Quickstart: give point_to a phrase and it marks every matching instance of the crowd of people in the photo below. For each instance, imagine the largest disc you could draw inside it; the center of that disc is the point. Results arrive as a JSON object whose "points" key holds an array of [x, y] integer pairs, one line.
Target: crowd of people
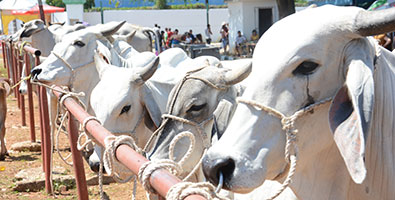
{"points": [[169, 38]]}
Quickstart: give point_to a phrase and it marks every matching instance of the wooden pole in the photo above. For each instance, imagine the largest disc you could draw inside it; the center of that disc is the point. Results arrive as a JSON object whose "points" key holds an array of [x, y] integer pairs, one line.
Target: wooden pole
{"points": [[40, 7]]}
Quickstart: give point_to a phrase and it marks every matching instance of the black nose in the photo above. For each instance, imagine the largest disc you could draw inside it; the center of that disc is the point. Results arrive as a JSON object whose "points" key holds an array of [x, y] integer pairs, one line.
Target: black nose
{"points": [[35, 72], [212, 168]]}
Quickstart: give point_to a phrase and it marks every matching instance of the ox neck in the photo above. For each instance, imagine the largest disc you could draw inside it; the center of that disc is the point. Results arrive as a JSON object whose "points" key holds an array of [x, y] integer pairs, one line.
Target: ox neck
{"points": [[84, 81], [38, 42]]}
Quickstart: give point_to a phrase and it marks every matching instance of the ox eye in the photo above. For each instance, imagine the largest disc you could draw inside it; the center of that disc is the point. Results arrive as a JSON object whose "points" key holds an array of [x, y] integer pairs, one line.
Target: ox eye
{"points": [[196, 107], [125, 109], [306, 68], [79, 43]]}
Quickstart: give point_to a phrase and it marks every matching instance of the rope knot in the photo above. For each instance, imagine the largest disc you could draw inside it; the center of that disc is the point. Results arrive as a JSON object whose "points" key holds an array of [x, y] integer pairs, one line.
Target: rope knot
{"points": [[181, 190], [150, 167], [112, 165]]}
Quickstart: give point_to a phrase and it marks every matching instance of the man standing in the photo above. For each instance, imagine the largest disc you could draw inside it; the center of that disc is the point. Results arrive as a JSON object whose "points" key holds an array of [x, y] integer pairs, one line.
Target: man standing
{"points": [[208, 34]]}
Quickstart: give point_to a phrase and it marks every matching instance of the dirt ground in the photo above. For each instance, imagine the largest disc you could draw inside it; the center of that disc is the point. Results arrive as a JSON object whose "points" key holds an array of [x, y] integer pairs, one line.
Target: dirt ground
{"points": [[22, 160]]}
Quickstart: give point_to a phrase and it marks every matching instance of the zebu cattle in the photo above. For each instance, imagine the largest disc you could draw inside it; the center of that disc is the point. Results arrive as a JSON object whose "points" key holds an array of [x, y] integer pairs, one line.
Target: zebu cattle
{"points": [[59, 30], [71, 63], [145, 101], [38, 32], [139, 37], [328, 58], [4, 92], [195, 98], [198, 102]]}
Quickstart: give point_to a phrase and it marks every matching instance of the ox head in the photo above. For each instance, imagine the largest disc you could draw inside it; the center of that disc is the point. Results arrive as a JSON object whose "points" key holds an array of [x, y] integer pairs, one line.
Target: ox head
{"points": [[32, 27], [76, 50], [121, 97], [327, 56], [195, 99]]}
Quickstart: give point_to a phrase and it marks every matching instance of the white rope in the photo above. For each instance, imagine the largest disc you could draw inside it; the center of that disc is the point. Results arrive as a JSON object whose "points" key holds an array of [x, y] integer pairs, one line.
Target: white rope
{"points": [[85, 134], [291, 155], [149, 167], [181, 190], [190, 149], [112, 165], [64, 159]]}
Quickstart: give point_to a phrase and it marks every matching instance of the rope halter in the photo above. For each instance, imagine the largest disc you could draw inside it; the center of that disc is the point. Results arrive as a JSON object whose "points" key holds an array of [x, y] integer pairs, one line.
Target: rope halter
{"points": [[288, 125], [68, 65], [167, 117]]}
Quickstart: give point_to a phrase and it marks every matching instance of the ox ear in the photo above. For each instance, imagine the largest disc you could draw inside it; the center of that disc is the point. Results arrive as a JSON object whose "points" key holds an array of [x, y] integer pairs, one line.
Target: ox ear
{"points": [[350, 117], [100, 63], [149, 66], [154, 113], [111, 29], [238, 72]]}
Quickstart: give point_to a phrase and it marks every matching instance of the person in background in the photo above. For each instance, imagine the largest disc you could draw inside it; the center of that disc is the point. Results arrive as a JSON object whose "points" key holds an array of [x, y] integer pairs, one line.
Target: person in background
{"points": [[199, 38], [175, 38], [208, 34], [254, 36], [157, 33], [188, 38], [168, 41], [383, 40], [240, 43], [192, 36], [161, 37], [165, 38], [224, 36]]}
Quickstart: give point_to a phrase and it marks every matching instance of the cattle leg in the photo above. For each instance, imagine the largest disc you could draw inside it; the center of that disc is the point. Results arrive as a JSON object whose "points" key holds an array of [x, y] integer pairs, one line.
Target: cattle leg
{"points": [[2, 140]]}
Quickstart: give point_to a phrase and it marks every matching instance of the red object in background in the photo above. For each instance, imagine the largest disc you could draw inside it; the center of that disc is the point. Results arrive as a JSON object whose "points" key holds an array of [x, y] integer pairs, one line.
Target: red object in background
{"points": [[35, 10]]}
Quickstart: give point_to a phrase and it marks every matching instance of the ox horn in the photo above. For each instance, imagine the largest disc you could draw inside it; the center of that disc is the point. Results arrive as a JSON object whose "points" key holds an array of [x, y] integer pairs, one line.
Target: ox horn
{"points": [[238, 74], [146, 72], [368, 23], [112, 29], [130, 36]]}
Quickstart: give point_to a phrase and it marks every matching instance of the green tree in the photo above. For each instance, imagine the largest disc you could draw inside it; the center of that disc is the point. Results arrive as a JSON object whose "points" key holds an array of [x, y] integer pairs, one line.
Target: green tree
{"points": [[285, 7], [59, 3], [160, 4]]}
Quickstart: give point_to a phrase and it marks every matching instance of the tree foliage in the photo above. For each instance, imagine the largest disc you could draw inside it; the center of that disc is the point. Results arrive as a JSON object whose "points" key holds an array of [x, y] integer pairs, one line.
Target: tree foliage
{"points": [[59, 3]]}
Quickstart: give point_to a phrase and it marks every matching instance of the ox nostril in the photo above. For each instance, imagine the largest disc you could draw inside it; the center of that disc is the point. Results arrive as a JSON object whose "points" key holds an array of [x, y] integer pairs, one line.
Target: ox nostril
{"points": [[212, 168], [35, 72]]}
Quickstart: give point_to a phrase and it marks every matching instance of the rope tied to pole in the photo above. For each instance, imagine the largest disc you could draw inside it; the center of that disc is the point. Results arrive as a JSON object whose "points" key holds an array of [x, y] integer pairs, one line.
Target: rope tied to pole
{"points": [[112, 165], [288, 125], [181, 190]]}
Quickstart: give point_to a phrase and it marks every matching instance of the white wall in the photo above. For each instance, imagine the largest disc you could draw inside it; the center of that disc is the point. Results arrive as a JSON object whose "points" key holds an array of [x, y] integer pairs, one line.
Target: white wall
{"points": [[75, 11], [244, 17], [183, 20]]}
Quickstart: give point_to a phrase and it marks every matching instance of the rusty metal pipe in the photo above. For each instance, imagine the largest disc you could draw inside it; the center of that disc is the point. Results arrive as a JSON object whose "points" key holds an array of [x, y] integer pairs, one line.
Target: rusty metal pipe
{"points": [[161, 179], [30, 99], [78, 165], [46, 141]]}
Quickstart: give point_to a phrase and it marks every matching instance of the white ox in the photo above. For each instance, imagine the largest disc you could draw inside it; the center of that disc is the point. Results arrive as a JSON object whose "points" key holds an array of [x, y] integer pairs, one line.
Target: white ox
{"points": [[146, 100], [138, 37], [346, 147], [71, 63], [37, 32], [198, 102]]}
